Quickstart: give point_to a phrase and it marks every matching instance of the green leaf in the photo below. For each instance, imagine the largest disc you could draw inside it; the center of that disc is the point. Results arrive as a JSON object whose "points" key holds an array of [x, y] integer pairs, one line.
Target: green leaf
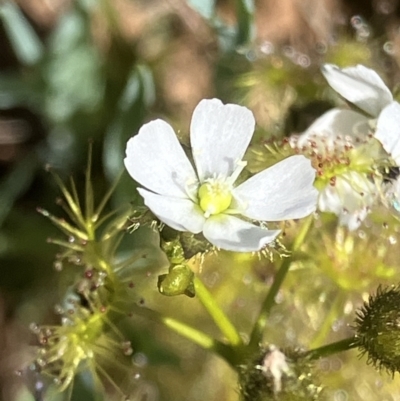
{"points": [[245, 17], [16, 183], [74, 69], [138, 96], [16, 91], [26, 44], [203, 7]]}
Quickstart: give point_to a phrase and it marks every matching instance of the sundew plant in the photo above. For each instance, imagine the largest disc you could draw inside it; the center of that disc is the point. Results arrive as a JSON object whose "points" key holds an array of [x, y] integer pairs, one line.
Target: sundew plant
{"points": [[194, 207]]}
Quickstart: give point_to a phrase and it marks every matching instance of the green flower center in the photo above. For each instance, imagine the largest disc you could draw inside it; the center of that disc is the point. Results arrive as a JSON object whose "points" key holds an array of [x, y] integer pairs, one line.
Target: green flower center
{"points": [[214, 197]]}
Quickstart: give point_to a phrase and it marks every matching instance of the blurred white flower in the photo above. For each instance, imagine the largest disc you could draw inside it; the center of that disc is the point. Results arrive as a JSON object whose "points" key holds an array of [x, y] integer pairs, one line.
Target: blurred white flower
{"points": [[205, 199], [364, 88], [342, 150]]}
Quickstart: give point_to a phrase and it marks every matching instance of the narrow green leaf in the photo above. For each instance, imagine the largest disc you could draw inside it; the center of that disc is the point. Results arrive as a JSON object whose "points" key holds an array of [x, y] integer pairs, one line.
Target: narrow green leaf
{"points": [[131, 111], [26, 44], [16, 183], [73, 71], [245, 20]]}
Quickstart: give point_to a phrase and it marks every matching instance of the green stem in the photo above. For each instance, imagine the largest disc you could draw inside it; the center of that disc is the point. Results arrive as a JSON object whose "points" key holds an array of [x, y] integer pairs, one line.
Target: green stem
{"points": [[217, 314], [333, 348], [269, 301], [328, 320], [196, 336]]}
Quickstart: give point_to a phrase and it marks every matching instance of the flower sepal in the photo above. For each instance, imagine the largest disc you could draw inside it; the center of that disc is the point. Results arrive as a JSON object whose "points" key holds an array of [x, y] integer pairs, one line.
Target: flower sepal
{"points": [[194, 244]]}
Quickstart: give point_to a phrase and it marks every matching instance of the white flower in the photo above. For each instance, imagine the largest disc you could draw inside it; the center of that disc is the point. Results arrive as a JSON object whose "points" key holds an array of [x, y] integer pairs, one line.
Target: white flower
{"points": [[350, 198], [205, 199], [388, 130], [364, 88], [341, 149]]}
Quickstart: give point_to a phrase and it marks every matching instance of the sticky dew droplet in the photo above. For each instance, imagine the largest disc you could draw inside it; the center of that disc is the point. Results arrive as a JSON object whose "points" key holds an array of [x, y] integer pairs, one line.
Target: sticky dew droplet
{"points": [[58, 309], [267, 48], [127, 348], [41, 362], [58, 266], [356, 21], [140, 359], [303, 60]]}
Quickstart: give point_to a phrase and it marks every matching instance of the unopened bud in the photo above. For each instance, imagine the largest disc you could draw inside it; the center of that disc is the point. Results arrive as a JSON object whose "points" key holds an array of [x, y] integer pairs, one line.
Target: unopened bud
{"points": [[178, 281], [378, 329]]}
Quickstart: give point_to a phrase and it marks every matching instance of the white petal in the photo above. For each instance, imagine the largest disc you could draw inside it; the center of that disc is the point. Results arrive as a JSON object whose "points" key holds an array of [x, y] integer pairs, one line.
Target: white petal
{"points": [[359, 85], [155, 159], [329, 200], [350, 212], [233, 234], [388, 130], [334, 123], [393, 194], [350, 198], [180, 214], [353, 220], [282, 192], [220, 135]]}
